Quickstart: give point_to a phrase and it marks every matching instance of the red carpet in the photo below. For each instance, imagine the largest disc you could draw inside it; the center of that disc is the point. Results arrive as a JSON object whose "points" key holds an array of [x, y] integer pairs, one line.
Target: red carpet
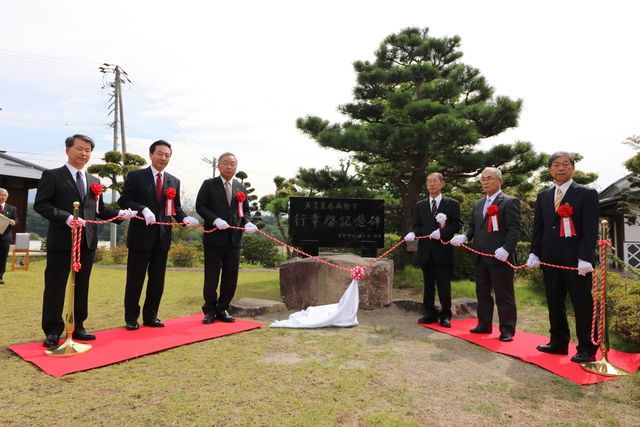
{"points": [[116, 345], [524, 346]]}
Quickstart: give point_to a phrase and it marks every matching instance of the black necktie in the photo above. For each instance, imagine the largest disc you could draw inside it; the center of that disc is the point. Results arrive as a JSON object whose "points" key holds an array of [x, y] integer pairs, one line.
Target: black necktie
{"points": [[80, 183], [434, 208]]}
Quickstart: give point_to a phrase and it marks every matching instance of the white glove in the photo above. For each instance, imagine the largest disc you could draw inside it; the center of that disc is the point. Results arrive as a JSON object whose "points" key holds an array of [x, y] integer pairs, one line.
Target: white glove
{"points": [[459, 240], [410, 237], [190, 221], [501, 254], [584, 267], [149, 217], [435, 235], [533, 261], [221, 224], [127, 213], [68, 221], [250, 228]]}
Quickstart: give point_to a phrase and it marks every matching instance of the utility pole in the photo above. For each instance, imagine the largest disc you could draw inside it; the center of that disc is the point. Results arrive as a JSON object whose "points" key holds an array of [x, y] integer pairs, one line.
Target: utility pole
{"points": [[213, 162], [118, 115]]}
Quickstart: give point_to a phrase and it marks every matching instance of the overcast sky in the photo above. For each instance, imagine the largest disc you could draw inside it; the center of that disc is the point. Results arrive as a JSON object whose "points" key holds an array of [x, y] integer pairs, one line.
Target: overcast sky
{"points": [[212, 76]]}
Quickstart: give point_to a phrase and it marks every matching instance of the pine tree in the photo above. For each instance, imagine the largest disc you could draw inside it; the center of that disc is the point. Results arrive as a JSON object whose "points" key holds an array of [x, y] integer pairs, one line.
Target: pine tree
{"points": [[419, 109]]}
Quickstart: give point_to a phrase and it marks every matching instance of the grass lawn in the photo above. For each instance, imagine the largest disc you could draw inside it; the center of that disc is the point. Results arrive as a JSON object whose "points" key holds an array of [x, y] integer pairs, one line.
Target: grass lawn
{"points": [[384, 372]]}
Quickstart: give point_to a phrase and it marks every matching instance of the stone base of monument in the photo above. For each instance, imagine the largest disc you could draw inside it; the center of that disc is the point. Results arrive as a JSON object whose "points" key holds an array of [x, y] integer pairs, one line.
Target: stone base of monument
{"points": [[461, 308], [307, 282], [252, 307]]}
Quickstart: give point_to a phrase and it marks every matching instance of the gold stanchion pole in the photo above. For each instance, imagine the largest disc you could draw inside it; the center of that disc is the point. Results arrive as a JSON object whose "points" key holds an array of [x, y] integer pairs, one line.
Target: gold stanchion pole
{"points": [[70, 347], [603, 366]]}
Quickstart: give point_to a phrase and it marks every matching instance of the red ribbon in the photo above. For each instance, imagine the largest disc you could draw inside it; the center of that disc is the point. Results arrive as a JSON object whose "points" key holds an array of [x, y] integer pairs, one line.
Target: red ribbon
{"points": [[492, 224], [566, 222], [241, 197], [170, 208], [97, 190]]}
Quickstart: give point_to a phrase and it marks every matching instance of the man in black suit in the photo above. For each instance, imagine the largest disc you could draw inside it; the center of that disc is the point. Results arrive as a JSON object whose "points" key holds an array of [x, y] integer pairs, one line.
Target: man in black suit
{"points": [[58, 189], [556, 242], [222, 202], [7, 237], [495, 225], [156, 194], [439, 218]]}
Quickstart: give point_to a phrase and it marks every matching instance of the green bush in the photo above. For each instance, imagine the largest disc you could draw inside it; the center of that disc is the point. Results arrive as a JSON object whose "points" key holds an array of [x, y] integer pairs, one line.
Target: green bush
{"points": [[119, 254], [531, 275], [183, 255], [100, 255], [390, 240], [261, 250], [463, 267], [623, 307]]}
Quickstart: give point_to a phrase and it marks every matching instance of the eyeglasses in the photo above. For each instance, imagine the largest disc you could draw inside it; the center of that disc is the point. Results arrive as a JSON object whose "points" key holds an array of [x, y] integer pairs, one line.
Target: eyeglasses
{"points": [[227, 164], [487, 179]]}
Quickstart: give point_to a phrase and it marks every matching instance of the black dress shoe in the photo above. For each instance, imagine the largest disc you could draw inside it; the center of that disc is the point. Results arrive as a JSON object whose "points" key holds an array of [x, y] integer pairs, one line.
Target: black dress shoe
{"points": [[83, 335], [1, 282], [552, 349], [583, 356], [155, 323], [445, 323], [480, 331], [506, 337], [132, 326], [224, 316], [51, 340], [208, 319], [427, 320]]}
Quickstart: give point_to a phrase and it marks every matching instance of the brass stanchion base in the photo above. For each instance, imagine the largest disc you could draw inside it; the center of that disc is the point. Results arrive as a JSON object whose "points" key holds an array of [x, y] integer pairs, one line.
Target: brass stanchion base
{"points": [[604, 367], [68, 348]]}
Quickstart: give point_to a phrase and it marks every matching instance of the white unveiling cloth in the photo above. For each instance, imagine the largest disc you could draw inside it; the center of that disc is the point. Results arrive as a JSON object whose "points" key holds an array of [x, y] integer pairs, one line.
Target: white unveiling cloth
{"points": [[343, 314]]}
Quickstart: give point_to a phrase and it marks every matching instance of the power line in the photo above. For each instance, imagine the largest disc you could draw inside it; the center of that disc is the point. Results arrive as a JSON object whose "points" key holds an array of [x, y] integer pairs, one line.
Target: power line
{"points": [[44, 60]]}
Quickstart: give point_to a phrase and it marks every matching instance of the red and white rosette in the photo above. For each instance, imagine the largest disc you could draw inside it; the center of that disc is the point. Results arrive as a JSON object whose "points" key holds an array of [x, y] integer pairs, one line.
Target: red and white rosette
{"points": [[357, 273], [492, 225], [96, 189], [170, 208], [441, 219], [566, 222], [241, 197]]}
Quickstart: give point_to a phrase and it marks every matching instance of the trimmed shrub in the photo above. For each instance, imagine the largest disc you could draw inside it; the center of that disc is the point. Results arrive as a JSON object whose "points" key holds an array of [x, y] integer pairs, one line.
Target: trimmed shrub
{"points": [[101, 254], [183, 255], [260, 250], [623, 306], [531, 275], [390, 240], [463, 264], [119, 254]]}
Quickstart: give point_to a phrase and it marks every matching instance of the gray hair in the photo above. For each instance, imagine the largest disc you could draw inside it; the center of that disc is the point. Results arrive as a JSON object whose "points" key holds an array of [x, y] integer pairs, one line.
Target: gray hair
{"points": [[223, 155], [497, 171], [437, 175]]}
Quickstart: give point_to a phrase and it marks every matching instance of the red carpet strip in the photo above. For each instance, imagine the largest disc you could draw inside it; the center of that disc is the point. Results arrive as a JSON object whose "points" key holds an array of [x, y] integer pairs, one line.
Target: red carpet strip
{"points": [[117, 345], [524, 346]]}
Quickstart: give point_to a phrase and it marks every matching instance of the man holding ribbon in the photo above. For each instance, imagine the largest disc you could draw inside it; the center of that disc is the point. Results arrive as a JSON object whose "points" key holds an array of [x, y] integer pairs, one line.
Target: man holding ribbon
{"points": [[565, 233], [156, 194], [438, 218], [495, 225], [58, 189], [222, 202]]}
